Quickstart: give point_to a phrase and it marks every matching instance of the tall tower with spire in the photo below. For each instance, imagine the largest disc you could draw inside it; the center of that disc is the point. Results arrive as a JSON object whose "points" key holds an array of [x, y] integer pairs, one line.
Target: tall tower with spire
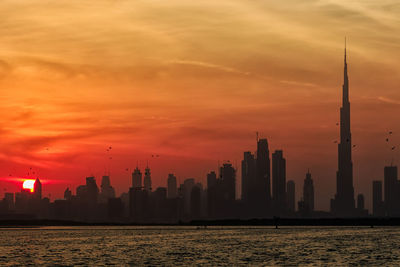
{"points": [[343, 203]]}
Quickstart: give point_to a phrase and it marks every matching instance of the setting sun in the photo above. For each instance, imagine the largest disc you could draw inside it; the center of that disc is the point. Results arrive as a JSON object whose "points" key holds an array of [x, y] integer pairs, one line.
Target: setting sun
{"points": [[29, 184]]}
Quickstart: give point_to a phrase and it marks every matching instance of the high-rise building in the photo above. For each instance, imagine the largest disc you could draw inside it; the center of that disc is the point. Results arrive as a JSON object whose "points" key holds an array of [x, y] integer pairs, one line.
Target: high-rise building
{"points": [[279, 182], [37, 191], [360, 202], [249, 184], [188, 185], [147, 179], [107, 191], [228, 182], [263, 171], [212, 195], [172, 186], [343, 203], [195, 202], [291, 196], [137, 178], [391, 190], [211, 179], [308, 194], [377, 199], [92, 190]]}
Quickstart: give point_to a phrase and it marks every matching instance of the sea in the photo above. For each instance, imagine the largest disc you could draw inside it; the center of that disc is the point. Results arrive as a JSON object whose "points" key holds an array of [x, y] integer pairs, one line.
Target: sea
{"points": [[193, 246]]}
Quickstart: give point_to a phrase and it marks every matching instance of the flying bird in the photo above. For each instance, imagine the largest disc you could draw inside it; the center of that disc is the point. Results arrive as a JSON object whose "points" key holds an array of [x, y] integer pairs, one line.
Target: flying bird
{"points": [[387, 139], [393, 147], [390, 132]]}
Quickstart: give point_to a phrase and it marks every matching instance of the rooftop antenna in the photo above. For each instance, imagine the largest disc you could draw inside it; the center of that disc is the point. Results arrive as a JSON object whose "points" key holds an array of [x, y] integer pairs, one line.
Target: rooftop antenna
{"points": [[257, 137]]}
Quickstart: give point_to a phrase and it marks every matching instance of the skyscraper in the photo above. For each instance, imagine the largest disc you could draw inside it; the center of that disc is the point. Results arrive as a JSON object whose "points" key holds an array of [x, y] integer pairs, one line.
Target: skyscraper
{"points": [[147, 179], [291, 196], [188, 185], [360, 202], [172, 191], [107, 191], [263, 171], [308, 194], [37, 192], [248, 176], [212, 195], [92, 190], [279, 181], [137, 178], [228, 181], [377, 199], [343, 203], [391, 190]]}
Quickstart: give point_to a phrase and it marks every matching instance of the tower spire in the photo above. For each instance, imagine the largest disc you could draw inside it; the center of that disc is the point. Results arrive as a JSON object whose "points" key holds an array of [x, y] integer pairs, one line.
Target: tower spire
{"points": [[345, 93], [345, 48], [343, 204]]}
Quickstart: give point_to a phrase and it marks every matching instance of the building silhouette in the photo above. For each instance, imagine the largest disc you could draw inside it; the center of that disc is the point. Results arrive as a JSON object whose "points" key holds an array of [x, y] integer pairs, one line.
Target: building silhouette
{"points": [[37, 189], [106, 190], [147, 179], [256, 182], [291, 197], [186, 190], [137, 178], [306, 205], [391, 189], [213, 198], [378, 208], [221, 193], [196, 202], [263, 174], [279, 182], [172, 191], [249, 182], [343, 203], [228, 182]]}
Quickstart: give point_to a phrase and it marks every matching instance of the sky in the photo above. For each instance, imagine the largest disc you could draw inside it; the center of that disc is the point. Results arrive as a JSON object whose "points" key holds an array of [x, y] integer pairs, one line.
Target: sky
{"points": [[192, 82]]}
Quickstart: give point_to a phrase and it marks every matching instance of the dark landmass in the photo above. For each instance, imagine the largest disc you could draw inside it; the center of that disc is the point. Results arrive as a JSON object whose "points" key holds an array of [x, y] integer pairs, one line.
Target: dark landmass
{"points": [[233, 222]]}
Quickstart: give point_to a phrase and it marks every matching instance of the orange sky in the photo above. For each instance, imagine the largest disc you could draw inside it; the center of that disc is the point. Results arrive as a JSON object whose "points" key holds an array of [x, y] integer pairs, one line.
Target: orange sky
{"points": [[193, 82]]}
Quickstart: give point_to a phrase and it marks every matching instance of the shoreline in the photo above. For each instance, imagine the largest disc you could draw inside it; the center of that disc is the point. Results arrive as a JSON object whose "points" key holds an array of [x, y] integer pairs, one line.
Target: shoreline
{"points": [[371, 222]]}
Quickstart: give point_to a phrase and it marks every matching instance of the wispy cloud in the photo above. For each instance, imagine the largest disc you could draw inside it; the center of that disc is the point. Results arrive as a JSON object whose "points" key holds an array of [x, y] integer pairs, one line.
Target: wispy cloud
{"points": [[388, 100], [297, 83], [208, 65]]}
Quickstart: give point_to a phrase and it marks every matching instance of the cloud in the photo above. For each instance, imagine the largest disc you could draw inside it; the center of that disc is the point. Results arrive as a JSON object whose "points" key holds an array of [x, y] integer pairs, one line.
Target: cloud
{"points": [[388, 100], [298, 83], [208, 65]]}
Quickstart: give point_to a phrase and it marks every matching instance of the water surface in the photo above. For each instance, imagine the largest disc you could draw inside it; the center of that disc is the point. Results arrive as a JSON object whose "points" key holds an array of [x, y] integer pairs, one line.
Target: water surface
{"points": [[71, 246]]}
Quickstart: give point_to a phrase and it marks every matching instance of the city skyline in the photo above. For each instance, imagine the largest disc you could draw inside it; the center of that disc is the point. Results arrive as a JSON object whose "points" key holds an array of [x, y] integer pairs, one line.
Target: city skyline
{"points": [[264, 198], [265, 191], [201, 100]]}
